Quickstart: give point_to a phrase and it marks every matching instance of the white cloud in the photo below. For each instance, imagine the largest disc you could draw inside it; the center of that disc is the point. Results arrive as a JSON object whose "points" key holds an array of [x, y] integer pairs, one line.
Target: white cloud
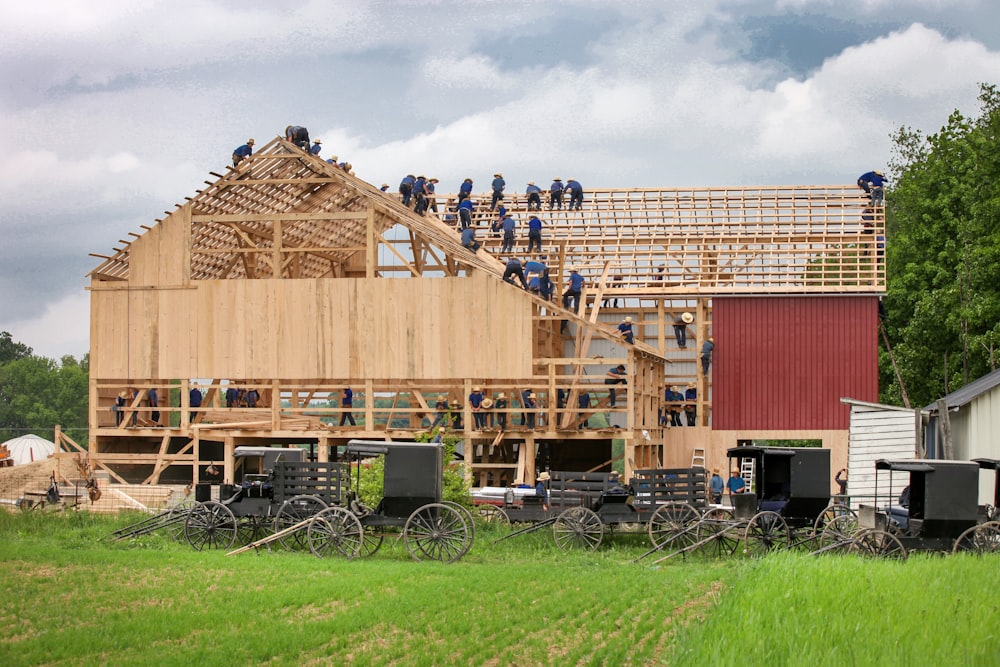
{"points": [[64, 328]]}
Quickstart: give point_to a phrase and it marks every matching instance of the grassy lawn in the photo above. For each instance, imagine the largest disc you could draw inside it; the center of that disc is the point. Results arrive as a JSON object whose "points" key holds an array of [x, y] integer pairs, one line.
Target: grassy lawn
{"points": [[71, 597]]}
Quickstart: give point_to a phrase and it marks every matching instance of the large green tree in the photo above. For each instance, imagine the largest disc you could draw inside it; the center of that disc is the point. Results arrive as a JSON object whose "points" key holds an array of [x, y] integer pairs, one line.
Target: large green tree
{"points": [[943, 255], [36, 393]]}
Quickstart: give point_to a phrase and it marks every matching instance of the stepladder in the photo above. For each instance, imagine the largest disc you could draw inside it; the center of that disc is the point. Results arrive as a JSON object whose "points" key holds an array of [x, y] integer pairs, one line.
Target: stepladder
{"points": [[698, 458]]}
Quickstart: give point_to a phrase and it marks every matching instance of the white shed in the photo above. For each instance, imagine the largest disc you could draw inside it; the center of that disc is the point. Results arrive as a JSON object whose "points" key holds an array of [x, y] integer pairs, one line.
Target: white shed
{"points": [[29, 448], [878, 432]]}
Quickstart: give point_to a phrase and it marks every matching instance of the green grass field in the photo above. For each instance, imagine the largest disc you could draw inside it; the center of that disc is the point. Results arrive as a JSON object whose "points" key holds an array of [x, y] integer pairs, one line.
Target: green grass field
{"points": [[72, 597]]}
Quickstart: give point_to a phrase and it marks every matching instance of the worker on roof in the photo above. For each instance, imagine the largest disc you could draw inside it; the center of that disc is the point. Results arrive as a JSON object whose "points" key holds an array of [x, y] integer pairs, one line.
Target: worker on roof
{"points": [[298, 135], [514, 268], [465, 208], [534, 233], [625, 331], [498, 185], [575, 194], [872, 182], [420, 194], [406, 188], [507, 224], [243, 152], [556, 194], [465, 189], [534, 196], [429, 188], [316, 147]]}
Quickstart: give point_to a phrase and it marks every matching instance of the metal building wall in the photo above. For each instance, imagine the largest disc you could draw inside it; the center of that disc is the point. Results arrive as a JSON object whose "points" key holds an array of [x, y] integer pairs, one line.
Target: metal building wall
{"points": [[785, 362]]}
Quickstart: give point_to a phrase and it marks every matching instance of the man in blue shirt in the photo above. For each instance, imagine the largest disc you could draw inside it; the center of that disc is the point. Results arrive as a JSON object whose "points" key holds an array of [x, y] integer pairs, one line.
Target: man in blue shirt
{"points": [[691, 408], [571, 297], [556, 194], [625, 331], [507, 224], [534, 233], [575, 194], [465, 189], [615, 375], [534, 196], [465, 209], [316, 147], [583, 403], [498, 185], [872, 182], [429, 190], [469, 239], [420, 194], [406, 188], [715, 487], [735, 484], [706, 354], [514, 268], [476, 403], [243, 152], [298, 136], [347, 401], [194, 400]]}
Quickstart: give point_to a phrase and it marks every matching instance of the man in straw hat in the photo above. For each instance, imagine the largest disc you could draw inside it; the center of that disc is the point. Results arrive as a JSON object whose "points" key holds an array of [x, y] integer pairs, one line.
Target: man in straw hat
{"points": [[243, 152], [625, 330], [476, 403], [500, 404], [534, 196], [556, 194], [498, 185], [487, 407], [540, 489], [680, 329], [706, 354], [316, 147]]}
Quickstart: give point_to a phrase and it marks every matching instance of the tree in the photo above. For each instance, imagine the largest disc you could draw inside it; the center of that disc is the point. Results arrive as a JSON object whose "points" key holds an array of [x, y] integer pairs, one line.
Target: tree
{"points": [[11, 350], [943, 255]]}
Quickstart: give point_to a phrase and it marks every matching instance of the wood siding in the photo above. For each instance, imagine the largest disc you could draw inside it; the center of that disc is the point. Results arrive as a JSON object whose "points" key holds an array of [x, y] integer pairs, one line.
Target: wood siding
{"points": [[879, 432], [313, 328], [785, 362]]}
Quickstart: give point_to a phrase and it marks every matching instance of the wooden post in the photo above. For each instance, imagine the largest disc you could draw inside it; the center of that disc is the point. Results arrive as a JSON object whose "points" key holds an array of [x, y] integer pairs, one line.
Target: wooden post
{"points": [[944, 428]]}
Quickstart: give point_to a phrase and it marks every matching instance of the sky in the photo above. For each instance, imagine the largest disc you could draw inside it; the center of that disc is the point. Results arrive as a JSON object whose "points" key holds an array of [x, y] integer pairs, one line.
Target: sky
{"points": [[115, 110]]}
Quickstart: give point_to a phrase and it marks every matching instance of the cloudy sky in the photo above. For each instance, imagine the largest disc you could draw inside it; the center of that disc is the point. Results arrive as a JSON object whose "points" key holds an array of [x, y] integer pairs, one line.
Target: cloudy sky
{"points": [[115, 110]]}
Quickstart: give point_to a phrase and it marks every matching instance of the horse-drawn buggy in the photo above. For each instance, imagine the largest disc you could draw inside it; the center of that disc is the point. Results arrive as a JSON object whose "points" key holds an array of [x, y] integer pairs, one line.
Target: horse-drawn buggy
{"points": [[281, 498], [924, 505], [581, 507], [788, 506]]}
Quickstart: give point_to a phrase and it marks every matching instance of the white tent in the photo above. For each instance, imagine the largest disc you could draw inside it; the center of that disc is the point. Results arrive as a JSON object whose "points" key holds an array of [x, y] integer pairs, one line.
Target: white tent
{"points": [[29, 448]]}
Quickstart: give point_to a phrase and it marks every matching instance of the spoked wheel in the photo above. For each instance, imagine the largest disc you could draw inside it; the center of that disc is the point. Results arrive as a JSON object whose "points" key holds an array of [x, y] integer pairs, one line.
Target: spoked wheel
{"points": [[981, 539], [177, 518], [578, 527], [293, 511], [251, 528], [767, 531], [673, 525], [335, 532], [879, 543], [437, 532], [831, 513], [493, 514], [210, 525], [838, 535], [718, 533], [466, 514], [372, 542]]}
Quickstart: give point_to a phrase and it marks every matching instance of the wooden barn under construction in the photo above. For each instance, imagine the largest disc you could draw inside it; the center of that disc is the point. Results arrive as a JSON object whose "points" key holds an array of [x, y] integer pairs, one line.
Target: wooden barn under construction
{"points": [[293, 278]]}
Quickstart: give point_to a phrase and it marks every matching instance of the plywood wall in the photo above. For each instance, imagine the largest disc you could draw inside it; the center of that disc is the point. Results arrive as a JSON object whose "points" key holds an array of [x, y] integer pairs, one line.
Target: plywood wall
{"points": [[474, 327]]}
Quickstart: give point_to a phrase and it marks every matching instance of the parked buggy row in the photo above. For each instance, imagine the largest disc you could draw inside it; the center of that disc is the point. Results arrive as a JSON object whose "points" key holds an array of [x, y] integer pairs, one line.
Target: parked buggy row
{"points": [[313, 505]]}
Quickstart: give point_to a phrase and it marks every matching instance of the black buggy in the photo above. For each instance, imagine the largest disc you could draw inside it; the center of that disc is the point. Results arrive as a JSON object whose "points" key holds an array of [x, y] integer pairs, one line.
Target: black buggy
{"points": [[411, 507], [937, 510]]}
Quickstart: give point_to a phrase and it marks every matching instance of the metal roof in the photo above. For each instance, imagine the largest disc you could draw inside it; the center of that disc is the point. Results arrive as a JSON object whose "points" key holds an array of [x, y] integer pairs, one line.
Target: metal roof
{"points": [[974, 389]]}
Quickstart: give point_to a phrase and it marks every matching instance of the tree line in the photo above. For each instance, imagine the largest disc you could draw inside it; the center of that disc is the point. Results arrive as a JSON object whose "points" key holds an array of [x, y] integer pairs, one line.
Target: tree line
{"points": [[943, 256]]}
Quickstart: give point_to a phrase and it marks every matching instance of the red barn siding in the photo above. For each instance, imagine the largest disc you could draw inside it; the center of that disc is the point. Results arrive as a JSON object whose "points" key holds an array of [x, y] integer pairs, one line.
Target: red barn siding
{"points": [[785, 363]]}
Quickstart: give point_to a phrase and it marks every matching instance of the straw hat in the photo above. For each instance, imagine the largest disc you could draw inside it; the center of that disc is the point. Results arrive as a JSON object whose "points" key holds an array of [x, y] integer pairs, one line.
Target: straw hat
{"points": [[687, 318], [557, 179], [477, 389], [124, 394], [487, 403], [628, 319], [501, 395], [531, 182], [544, 477], [317, 141], [249, 142], [498, 175]]}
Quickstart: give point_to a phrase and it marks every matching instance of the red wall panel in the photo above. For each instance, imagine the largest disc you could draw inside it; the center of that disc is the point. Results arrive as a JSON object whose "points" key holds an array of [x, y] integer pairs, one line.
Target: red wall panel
{"points": [[785, 362]]}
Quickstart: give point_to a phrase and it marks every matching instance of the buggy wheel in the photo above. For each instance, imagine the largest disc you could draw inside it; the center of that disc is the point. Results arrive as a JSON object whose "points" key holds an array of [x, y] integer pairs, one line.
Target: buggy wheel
{"points": [[294, 511], [879, 543], [718, 534], [578, 527], [437, 532], [838, 535], [371, 543], [674, 524], [466, 514], [493, 514], [981, 539], [766, 531], [177, 517], [831, 513], [250, 529], [210, 525], [335, 532]]}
